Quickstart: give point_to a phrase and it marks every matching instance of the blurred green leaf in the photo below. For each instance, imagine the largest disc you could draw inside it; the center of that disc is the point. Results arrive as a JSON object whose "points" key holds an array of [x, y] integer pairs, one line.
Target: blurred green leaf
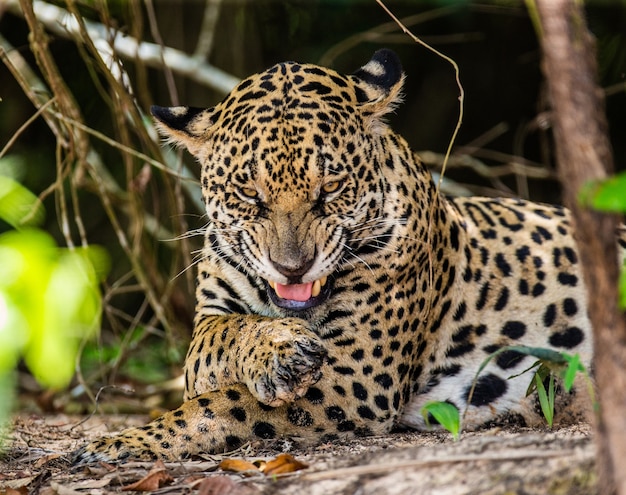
{"points": [[50, 300], [18, 206], [608, 195], [573, 367], [71, 311], [25, 258]]}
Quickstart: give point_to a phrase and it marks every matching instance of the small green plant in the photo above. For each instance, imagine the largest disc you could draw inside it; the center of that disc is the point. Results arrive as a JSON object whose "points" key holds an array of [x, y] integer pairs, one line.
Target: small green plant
{"points": [[550, 366], [546, 397], [564, 368], [49, 296], [446, 415]]}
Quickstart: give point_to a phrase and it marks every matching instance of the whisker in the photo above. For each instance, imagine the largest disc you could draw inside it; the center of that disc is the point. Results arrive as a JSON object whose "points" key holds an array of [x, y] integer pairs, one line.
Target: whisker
{"points": [[188, 234], [194, 262], [378, 243], [350, 251]]}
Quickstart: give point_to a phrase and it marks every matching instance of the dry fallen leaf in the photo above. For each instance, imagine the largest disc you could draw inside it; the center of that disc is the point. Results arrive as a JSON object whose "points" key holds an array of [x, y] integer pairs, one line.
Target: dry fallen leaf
{"points": [[283, 463], [18, 485], [11, 491], [237, 465], [155, 479]]}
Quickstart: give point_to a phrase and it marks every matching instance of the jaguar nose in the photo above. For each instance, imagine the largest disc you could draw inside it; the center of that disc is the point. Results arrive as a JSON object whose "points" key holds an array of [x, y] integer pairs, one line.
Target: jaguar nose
{"points": [[294, 271]]}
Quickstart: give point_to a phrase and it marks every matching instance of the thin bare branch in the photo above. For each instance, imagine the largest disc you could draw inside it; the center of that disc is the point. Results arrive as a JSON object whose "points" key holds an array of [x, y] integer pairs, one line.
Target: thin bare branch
{"points": [[513, 164], [62, 23]]}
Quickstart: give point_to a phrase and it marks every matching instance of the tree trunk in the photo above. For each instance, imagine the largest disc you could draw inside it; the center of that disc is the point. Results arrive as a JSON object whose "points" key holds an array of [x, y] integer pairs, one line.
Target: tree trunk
{"points": [[584, 154]]}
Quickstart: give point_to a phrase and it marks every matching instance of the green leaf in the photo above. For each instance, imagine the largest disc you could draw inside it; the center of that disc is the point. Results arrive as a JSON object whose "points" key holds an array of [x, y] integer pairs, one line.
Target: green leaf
{"points": [[542, 371], [573, 367], [446, 415], [547, 406], [71, 311], [18, 206], [49, 301], [608, 195], [25, 261]]}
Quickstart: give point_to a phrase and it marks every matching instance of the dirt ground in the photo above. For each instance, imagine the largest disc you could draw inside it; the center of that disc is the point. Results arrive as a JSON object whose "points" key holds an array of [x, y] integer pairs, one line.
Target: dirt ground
{"points": [[496, 461]]}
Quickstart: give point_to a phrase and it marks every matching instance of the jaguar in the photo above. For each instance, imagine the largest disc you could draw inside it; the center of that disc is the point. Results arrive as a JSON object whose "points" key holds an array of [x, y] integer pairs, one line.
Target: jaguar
{"points": [[338, 290]]}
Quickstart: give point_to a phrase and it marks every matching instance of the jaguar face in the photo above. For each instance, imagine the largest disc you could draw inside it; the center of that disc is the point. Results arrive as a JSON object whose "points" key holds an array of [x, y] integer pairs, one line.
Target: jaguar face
{"points": [[287, 212], [291, 194]]}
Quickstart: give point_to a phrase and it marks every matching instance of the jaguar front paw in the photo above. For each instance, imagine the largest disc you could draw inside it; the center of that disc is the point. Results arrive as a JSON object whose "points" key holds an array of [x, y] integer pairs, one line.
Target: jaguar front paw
{"points": [[283, 372]]}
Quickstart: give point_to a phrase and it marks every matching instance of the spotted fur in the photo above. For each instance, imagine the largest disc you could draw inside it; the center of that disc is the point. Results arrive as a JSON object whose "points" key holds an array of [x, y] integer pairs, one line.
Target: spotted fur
{"points": [[393, 295]]}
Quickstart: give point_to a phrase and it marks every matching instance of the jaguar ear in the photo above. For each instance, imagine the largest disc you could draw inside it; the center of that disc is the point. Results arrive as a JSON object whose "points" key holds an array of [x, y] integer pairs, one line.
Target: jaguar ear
{"points": [[379, 85], [183, 126]]}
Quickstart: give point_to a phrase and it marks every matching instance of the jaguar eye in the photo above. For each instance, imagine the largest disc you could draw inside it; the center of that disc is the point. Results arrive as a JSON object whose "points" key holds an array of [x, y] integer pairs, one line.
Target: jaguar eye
{"points": [[249, 193], [332, 186]]}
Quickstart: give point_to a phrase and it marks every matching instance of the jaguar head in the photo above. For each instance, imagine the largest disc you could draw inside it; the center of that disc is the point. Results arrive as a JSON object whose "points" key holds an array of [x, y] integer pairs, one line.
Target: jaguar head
{"points": [[292, 172]]}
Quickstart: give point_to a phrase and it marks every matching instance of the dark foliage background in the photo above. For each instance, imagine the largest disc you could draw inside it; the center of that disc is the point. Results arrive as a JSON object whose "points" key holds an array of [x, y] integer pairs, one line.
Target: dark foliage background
{"points": [[144, 213]]}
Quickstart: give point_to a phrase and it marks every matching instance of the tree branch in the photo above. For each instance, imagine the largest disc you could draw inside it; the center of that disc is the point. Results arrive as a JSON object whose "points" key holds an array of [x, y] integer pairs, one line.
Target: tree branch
{"points": [[60, 22]]}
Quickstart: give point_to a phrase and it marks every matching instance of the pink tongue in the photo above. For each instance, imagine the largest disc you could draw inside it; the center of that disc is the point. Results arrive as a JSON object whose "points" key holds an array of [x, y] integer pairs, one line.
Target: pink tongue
{"points": [[294, 292]]}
